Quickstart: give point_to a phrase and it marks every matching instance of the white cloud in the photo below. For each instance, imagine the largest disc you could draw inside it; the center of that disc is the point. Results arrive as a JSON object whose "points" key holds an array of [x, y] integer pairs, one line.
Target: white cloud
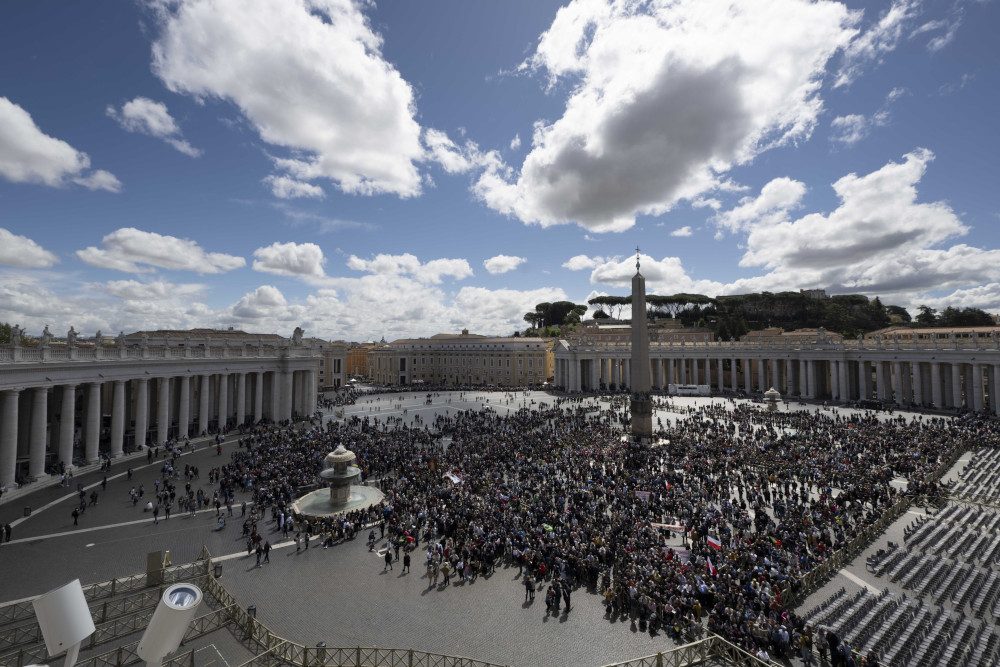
{"points": [[515, 143], [265, 302], [309, 76], [290, 259], [664, 276], [877, 41], [146, 116], [446, 152], [28, 155], [664, 103], [949, 25], [157, 290], [851, 128], [879, 240], [127, 248], [581, 262], [284, 187], [23, 253], [775, 200], [503, 263], [407, 264], [855, 127], [682, 231]]}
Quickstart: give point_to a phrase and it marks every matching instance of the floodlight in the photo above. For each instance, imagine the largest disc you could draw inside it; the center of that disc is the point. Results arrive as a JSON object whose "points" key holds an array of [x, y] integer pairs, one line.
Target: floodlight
{"points": [[169, 622], [65, 620]]}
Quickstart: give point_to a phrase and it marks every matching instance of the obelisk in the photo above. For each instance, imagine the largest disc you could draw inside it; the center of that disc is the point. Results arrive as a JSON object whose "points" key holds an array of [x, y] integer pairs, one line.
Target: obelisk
{"points": [[642, 404]]}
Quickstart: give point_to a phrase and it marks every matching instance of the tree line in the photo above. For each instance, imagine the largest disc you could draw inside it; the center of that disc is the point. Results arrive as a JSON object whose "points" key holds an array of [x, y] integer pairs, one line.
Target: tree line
{"points": [[735, 316]]}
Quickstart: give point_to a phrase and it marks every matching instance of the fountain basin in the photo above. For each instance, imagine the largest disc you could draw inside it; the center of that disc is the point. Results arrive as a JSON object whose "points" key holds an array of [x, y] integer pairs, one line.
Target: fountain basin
{"points": [[317, 504]]}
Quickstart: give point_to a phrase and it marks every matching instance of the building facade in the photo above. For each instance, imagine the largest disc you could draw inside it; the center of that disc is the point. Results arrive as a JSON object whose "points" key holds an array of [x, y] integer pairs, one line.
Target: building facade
{"points": [[954, 368], [463, 359], [73, 400], [332, 373]]}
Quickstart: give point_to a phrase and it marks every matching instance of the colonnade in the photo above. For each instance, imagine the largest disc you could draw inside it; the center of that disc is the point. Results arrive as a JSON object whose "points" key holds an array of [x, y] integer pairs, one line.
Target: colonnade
{"points": [[61, 421], [927, 378]]}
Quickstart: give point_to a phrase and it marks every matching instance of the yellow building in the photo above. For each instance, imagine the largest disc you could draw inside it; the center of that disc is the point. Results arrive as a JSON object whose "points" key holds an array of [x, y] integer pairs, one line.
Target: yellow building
{"points": [[357, 358], [463, 359]]}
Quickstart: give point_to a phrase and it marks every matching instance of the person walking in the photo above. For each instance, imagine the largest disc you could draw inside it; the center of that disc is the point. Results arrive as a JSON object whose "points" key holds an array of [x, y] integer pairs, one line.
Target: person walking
{"points": [[565, 594], [267, 551], [406, 562], [388, 560], [446, 573], [156, 514], [298, 547], [529, 589]]}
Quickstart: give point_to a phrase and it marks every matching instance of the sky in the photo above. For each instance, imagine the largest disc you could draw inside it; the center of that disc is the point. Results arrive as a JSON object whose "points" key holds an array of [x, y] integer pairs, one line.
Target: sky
{"points": [[398, 169]]}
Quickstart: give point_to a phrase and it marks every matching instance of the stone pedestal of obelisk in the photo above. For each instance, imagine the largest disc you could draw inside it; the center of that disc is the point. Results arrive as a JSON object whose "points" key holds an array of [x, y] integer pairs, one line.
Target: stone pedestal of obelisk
{"points": [[642, 404]]}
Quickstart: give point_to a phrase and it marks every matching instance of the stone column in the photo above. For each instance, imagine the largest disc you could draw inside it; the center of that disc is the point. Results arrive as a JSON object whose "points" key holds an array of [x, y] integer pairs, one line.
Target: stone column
{"points": [[747, 375], [627, 373], [92, 443], [162, 411], [141, 411], [811, 370], [721, 384], [918, 384], [936, 384], [844, 386], [761, 376], [775, 381], [223, 401], [67, 424], [258, 396], [864, 380], [117, 419], [275, 396], [8, 436], [977, 386], [695, 375], [995, 388], [595, 374], [286, 395], [897, 374], [803, 378], [733, 380], [203, 395], [956, 384], [880, 387], [184, 409], [39, 428], [671, 373], [241, 397]]}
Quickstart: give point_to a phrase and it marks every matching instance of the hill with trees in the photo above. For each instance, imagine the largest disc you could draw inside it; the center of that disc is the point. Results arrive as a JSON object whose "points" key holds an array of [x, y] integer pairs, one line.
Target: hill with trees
{"points": [[733, 316]]}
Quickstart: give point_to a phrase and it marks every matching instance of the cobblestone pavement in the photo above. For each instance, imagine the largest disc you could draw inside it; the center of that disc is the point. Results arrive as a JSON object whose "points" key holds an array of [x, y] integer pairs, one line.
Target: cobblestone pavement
{"points": [[339, 595]]}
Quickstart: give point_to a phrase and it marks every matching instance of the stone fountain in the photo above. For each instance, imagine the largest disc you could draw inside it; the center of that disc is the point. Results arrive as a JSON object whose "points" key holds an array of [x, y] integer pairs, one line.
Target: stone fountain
{"points": [[339, 473]]}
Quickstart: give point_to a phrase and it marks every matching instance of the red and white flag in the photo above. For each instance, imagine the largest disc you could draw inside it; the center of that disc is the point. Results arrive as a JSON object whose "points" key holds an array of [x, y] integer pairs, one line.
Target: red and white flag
{"points": [[711, 568], [714, 543]]}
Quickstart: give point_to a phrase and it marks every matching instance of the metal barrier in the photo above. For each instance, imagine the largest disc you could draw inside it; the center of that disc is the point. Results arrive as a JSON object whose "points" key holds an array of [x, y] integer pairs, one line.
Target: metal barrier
{"points": [[713, 647]]}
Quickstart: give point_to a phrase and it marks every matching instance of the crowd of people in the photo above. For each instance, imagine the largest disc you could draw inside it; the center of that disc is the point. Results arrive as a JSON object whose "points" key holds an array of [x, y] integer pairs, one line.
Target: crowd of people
{"points": [[558, 491]]}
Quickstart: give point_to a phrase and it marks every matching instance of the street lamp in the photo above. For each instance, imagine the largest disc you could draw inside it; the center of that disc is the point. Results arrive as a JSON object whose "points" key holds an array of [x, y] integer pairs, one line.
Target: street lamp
{"points": [[169, 623]]}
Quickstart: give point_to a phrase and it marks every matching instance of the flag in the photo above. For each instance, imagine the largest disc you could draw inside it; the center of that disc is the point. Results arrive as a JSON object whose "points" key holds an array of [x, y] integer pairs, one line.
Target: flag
{"points": [[711, 568], [714, 543]]}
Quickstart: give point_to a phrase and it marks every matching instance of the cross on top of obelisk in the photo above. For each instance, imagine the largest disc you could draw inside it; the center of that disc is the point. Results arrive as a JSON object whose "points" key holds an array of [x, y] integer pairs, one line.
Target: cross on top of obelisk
{"points": [[637, 258]]}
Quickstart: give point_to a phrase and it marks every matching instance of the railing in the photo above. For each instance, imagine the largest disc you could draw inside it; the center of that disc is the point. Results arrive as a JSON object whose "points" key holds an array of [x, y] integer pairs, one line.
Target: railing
{"points": [[158, 350], [710, 648], [982, 343], [24, 610]]}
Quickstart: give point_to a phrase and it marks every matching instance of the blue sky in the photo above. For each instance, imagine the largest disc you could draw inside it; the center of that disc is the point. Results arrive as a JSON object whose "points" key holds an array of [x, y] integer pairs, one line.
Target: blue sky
{"points": [[402, 169]]}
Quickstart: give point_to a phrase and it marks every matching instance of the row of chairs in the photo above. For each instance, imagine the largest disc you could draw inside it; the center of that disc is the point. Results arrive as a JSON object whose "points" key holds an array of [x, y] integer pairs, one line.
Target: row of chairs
{"points": [[809, 616]]}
